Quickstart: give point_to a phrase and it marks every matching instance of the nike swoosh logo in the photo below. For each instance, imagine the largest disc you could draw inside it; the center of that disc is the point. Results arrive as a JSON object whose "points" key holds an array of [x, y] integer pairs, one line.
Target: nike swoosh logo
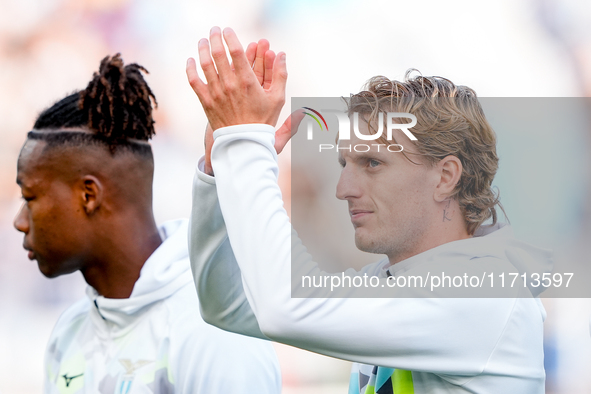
{"points": [[69, 379]]}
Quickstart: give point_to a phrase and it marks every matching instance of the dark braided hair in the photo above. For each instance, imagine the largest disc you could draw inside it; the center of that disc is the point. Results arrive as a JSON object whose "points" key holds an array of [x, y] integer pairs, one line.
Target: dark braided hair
{"points": [[116, 106]]}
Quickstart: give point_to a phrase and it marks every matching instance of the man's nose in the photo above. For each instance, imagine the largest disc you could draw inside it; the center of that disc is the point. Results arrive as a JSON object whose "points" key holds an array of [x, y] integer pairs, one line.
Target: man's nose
{"points": [[21, 221], [348, 186]]}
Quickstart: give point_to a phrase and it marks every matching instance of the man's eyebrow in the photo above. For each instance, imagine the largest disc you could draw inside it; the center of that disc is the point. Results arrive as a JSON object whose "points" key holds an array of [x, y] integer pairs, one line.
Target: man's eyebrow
{"points": [[359, 156], [18, 181]]}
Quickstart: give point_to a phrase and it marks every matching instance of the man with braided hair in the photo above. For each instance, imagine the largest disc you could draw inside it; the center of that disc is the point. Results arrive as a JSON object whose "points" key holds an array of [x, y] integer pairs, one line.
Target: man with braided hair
{"points": [[86, 173], [423, 208]]}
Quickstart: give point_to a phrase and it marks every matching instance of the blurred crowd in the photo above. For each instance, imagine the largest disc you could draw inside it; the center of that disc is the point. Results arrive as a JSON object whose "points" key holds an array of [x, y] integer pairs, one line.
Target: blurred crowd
{"points": [[523, 48]]}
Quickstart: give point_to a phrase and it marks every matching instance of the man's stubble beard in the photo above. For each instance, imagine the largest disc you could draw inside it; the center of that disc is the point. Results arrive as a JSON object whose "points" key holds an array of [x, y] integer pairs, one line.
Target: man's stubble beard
{"points": [[392, 244], [377, 243]]}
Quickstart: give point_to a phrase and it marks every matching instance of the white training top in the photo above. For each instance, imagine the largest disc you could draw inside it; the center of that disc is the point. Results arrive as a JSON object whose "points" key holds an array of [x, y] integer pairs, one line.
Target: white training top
{"points": [[155, 341], [438, 345]]}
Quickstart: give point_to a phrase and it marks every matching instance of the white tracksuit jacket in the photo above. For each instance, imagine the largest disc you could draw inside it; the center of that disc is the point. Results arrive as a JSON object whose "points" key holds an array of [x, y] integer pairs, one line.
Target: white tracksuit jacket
{"points": [[155, 341], [437, 345]]}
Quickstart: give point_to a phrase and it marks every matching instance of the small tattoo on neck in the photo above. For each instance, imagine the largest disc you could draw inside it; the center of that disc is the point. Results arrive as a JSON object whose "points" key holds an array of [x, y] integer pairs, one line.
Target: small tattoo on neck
{"points": [[447, 215]]}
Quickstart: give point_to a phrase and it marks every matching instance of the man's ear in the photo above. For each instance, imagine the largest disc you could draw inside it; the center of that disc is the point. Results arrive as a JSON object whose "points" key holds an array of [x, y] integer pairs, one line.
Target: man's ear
{"points": [[450, 170], [91, 193]]}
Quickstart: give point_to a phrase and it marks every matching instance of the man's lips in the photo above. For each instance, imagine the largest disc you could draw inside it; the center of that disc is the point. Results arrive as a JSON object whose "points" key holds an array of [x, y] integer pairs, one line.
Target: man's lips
{"points": [[31, 254], [358, 213]]}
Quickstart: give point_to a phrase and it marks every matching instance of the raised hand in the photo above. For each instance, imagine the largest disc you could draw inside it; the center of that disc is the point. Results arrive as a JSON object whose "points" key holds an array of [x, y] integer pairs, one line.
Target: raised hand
{"points": [[233, 94], [255, 54], [261, 60]]}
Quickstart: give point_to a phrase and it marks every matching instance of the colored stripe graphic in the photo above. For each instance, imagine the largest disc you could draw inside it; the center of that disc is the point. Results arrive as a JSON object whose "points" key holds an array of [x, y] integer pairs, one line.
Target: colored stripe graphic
{"points": [[317, 113], [381, 380], [316, 119], [402, 382]]}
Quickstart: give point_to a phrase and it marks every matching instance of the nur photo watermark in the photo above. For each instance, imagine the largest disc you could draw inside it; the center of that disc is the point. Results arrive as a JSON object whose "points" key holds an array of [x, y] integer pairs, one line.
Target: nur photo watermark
{"points": [[387, 121], [337, 172]]}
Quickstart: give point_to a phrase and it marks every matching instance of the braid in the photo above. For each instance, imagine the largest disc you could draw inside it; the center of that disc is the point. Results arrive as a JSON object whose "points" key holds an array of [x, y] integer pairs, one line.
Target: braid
{"points": [[116, 106], [118, 101], [64, 113]]}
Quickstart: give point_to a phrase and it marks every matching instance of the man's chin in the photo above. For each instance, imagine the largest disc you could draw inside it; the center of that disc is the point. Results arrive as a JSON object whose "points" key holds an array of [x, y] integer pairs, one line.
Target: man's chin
{"points": [[48, 272], [368, 245]]}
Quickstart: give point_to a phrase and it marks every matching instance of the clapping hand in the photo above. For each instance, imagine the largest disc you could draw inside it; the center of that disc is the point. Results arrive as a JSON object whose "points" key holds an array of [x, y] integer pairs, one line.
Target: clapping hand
{"points": [[250, 89]]}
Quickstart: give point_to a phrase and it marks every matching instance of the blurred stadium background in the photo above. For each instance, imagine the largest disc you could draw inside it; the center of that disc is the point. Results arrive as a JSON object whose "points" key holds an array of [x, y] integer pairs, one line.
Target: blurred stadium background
{"points": [[503, 48]]}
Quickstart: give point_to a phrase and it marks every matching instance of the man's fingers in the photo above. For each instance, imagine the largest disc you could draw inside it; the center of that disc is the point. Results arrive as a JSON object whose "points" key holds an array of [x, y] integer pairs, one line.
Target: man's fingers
{"points": [[288, 130], [251, 51], [279, 76], [196, 83], [236, 97], [269, 62], [259, 64], [218, 52], [199, 87], [206, 62], [236, 52]]}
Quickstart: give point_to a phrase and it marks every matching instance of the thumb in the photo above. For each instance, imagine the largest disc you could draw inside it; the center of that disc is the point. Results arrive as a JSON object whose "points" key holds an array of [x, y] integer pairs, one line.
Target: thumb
{"points": [[288, 129]]}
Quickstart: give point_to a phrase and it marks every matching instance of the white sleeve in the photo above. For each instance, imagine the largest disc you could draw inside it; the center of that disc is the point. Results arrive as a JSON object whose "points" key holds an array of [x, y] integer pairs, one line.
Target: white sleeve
{"points": [[206, 360], [453, 336], [217, 275]]}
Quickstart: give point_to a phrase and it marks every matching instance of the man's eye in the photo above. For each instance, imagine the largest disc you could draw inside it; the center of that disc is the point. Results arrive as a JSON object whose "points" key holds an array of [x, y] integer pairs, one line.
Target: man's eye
{"points": [[373, 163]]}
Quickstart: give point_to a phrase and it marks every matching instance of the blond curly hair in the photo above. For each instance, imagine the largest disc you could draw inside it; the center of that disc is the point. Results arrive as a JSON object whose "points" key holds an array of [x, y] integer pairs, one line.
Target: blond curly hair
{"points": [[450, 121]]}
